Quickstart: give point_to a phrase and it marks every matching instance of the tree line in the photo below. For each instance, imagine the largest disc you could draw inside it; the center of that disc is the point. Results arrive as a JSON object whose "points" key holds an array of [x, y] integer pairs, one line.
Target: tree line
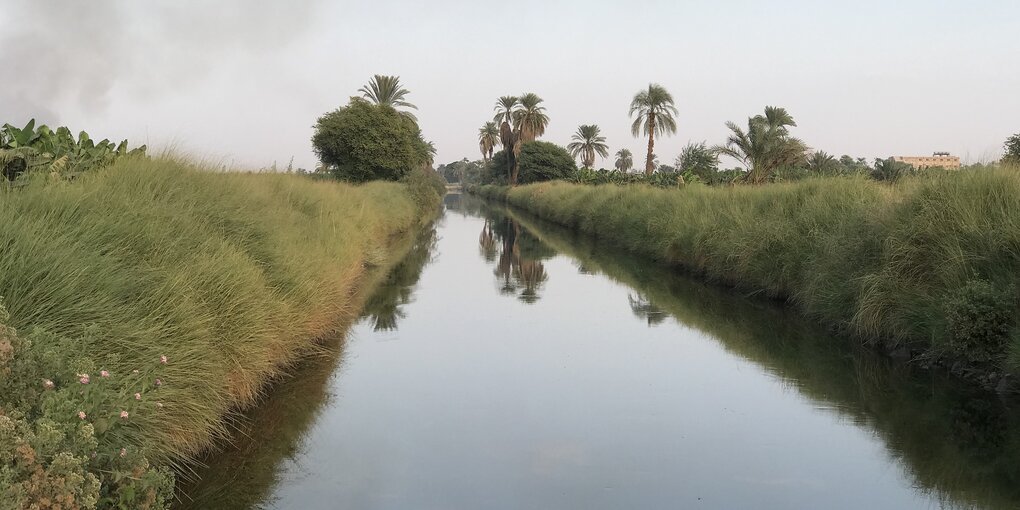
{"points": [[376, 136]]}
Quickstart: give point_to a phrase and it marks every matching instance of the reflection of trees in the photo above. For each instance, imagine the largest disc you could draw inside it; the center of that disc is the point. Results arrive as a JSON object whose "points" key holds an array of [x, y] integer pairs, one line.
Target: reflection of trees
{"points": [[643, 308], [517, 272], [271, 433], [956, 444], [487, 243], [383, 308], [464, 205]]}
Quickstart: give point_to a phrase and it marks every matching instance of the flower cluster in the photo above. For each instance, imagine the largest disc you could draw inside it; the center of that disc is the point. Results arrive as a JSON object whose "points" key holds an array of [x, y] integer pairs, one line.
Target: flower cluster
{"points": [[88, 414]]}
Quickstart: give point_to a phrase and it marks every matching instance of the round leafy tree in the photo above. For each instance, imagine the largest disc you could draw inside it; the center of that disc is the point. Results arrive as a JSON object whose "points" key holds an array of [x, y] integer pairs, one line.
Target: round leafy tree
{"points": [[539, 161], [363, 142]]}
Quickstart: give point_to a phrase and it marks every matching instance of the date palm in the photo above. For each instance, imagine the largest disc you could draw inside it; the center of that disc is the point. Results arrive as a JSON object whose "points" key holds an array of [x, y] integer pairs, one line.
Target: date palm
{"points": [[655, 116], [386, 90], [766, 145], [821, 163], [530, 119], [488, 139], [508, 137], [587, 142], [624, 160]]}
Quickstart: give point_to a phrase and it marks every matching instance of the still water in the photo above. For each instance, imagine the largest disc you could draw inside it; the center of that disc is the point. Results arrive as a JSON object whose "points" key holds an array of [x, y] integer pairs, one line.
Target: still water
{"points": [[507, 363]]}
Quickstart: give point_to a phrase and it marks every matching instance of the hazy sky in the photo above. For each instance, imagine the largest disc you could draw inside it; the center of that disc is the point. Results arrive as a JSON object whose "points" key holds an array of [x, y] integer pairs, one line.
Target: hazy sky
{"points": [[243, 81]]}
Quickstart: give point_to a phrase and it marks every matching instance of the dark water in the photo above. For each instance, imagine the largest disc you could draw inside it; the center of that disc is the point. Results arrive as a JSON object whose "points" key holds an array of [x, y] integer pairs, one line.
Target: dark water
{"points": [[507, 363]]}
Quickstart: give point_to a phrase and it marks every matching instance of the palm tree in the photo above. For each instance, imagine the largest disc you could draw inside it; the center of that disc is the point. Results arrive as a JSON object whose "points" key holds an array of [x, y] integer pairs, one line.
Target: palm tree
{"points": [[488, 139], [529, 121], [529, 118], [587, 142], [765, 146], [890, 169], [655, 116], [624, 160], [430, 154], [386, 90], [821, 163], [505, 107]]}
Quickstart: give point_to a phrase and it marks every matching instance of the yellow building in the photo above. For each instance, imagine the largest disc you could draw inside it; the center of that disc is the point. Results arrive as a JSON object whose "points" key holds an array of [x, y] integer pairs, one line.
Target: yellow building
{"points": [[942, 159]]}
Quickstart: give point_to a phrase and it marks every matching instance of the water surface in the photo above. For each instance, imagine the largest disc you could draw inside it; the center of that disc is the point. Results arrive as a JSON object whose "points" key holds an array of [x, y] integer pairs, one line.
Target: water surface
{"points": [[507, 363]]}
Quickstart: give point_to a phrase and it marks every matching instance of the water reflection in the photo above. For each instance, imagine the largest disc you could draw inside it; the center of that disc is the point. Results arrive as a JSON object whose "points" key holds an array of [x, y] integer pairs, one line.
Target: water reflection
{"points": [[518, 255], [456, 418], [643, 308], [960, 445], [385, 308], [244, 473]]}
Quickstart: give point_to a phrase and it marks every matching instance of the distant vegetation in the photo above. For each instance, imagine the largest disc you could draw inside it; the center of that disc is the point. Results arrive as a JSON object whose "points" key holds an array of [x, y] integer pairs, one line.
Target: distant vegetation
{"points": [[586, 143], [766, 149], [1012, 151]]}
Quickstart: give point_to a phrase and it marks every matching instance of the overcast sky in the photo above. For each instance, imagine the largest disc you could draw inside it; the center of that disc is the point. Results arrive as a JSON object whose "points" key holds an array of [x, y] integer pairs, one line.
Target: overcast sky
{"points": [[243, 81]]}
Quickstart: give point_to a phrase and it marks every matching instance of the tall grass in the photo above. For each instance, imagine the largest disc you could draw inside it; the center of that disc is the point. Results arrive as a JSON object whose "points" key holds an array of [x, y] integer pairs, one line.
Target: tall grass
{"points": [[896, 262], [230, 276]]}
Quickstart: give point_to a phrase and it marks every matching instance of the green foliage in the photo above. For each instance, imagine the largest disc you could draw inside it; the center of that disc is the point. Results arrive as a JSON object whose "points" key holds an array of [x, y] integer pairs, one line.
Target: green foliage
{"points": [[363, 142], [980, 319], [700, 160], [530, 119], [586, 143], [56, 152], [231, 276], [766, 146], [539, 161], [1011, 151], [890, 170], [426, 188], [463, 171], [821, 163], [624, 160], [488, 139], [66, 427], [386, 90], [877, 260]]}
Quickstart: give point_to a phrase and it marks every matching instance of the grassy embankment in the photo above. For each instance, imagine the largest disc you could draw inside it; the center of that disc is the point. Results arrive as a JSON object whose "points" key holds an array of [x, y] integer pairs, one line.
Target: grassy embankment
{"points": [[929, 265], [231, 277]]}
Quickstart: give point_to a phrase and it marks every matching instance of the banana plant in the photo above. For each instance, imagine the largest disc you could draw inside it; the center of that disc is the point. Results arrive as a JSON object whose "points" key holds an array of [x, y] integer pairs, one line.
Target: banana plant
{"points": [[56, 152]]}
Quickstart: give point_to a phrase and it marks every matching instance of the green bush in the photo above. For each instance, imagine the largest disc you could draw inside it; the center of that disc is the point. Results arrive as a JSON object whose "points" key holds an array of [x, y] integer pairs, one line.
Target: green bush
{"points": [[659, 179], [363, 142], [980, 319], [426, 188], [539, 161]]}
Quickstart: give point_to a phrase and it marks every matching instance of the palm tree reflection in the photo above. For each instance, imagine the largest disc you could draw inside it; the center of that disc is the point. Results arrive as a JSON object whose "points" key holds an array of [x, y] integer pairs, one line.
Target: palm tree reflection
{"points": [[517, 273]]}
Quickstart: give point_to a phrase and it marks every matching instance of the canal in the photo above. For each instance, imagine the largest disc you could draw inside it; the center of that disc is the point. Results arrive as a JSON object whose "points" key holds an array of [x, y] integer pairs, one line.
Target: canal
{"points": [[507, 363]]}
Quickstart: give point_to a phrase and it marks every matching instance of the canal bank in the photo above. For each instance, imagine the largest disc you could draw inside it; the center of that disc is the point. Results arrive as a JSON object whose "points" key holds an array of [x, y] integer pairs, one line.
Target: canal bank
{"points": [[531, 367], [925, 269]]}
